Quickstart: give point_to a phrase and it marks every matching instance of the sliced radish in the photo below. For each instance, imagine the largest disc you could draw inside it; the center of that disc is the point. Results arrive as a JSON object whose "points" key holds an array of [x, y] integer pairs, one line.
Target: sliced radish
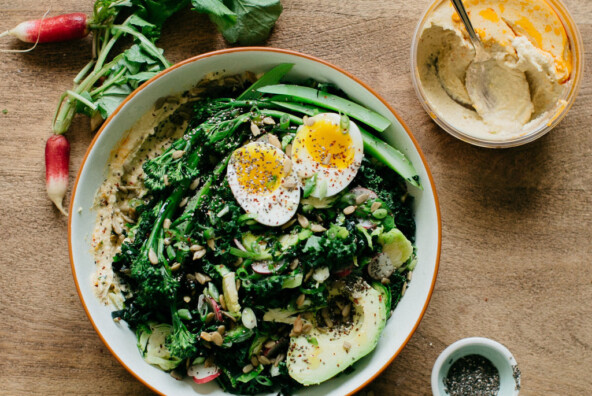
{"points": [[267, 267], [202, 374], [216, 308], [357, 191], [367, 224], [342, 273]]}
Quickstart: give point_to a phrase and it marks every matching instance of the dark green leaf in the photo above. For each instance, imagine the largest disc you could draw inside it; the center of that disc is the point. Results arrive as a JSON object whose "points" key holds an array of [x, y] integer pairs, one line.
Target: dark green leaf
{"points": [[214, 8], [254, 20]]}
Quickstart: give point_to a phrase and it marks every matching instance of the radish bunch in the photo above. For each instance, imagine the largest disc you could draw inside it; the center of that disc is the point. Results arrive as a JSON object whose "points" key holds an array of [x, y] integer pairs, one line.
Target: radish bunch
{"points": [[57, 149]]}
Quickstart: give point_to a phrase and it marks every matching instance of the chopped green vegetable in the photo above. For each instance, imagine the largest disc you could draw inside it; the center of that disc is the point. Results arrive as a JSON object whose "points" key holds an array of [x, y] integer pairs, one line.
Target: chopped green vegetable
{"points": [[329, 101]]}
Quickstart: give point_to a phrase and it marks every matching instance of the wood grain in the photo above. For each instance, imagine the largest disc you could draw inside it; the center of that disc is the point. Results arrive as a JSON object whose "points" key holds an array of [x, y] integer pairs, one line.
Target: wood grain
{"points": [[517, 223]]}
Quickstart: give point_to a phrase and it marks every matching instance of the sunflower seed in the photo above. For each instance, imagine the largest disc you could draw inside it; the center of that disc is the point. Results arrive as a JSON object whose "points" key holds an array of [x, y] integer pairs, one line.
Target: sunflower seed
{"points": [[211, 244], [152, 257], [288, 150], [349, 210], [278, 359], [183, 202], [287, 166], [221, 329], [254, 361], [308, 121], [199, 254], [196, 248], [187, 299], [300, 300], [264, 360], [248, 368], [403, 289], [222, 302], [375, 205], [294, 264], [206, 336], [303, 221], [360, 199], [270, 344], [289, 224], [194, 184], [308, 275], [317, 228], [274, 141], [166, 241], [165, 179], [409, 275], [175, 267], [217, 338], [201, 278], [178, 154], [346, 310], [166, 224], [255, 129], [268, 121], [327, 159], [298, 325], [306, 328], [209, 317], [117, 227], [290, 185]]}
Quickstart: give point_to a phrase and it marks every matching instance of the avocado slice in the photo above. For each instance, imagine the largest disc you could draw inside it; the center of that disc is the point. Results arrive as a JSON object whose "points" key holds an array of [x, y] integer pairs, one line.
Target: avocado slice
{"points": [[319, 355]]}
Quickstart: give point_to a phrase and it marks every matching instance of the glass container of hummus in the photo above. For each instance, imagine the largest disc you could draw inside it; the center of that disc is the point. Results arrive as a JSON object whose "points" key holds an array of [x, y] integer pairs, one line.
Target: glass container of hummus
{"points": [[534, 74]]}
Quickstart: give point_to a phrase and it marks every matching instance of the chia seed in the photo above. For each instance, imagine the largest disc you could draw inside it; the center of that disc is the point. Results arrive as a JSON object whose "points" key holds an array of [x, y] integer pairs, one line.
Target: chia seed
{"points": [[472, 375]]}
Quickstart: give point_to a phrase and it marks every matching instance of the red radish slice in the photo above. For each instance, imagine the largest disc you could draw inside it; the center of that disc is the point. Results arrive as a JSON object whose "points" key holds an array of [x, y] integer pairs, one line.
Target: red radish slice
{"points": [[357, 191], [47, 30], [215, 308], [239, 245], [343, 272], [266, 267], [57, 158], [202, 374], [367, 224]]}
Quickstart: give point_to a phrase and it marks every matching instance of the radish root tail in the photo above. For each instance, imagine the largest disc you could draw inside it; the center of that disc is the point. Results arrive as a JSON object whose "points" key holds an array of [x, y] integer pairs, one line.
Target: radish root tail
{"points": [[28, 49]]}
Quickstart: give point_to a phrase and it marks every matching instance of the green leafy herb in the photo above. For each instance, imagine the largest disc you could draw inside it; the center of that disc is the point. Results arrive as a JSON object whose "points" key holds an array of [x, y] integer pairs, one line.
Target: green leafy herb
{"points": [[248, 22], [309, 186]]}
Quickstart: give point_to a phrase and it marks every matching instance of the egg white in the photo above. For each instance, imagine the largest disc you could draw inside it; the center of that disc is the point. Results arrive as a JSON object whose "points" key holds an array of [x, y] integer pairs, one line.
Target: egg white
{"points": [[260, 186], [330, 178]]}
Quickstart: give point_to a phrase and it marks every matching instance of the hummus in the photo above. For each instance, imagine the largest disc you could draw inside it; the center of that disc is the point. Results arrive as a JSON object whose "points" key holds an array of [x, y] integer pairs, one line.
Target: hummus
{"points": [[525, 78]]}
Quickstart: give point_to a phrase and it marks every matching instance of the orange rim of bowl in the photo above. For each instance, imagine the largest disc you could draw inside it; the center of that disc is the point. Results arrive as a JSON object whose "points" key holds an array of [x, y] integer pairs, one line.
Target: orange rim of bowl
{"points": [[253, 49]]}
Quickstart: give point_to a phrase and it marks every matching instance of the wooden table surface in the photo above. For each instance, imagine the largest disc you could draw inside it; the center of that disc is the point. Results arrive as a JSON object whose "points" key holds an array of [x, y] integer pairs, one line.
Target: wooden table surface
{"points": [[517, 223]]}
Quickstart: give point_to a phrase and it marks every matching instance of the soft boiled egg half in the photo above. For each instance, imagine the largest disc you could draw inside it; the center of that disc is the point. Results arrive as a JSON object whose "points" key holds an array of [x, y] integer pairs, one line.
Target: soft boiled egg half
{"points": [[330, 146], [264, 183]]}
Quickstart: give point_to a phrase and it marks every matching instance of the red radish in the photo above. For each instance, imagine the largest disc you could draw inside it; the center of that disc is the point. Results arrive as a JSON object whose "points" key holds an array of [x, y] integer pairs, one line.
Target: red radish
{"points": [[57, 158], [202, 374], [215, 308], [47, 30], [266, 267], [342, 273]]}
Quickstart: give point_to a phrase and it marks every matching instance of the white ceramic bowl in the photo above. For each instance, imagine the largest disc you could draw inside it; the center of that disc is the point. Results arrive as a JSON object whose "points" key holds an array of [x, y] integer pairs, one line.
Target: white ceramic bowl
{"points": [[121, 341], [495, 352]]}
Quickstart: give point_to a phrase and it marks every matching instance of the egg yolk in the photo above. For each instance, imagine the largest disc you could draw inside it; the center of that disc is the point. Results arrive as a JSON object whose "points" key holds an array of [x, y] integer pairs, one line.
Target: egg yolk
{"points": [[259, 169], [326, 144]]}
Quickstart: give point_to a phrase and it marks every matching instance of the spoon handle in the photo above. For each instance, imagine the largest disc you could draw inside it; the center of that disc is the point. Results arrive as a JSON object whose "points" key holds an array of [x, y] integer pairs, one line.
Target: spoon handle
{"points": [[462, 13]]}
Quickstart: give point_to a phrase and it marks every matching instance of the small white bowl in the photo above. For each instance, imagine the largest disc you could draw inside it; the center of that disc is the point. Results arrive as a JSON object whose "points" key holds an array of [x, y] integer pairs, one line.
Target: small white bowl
{"points": [[495, 352]]}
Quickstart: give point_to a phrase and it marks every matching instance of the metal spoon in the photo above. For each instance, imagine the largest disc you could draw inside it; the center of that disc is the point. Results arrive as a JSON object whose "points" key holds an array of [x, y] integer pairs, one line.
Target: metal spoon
{"points": [[490, 85]]}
